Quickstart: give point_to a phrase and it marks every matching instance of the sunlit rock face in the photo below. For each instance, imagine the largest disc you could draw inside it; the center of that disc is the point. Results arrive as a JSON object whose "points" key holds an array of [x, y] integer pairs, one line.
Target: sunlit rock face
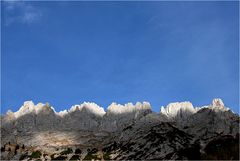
{"points": [[27, 108], [178, 110], [218, 105], [217, 102]]}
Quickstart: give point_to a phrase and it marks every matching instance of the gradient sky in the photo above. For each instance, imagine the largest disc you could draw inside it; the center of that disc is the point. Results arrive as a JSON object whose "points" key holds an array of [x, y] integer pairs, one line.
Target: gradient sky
{"points": [[66, 53]]}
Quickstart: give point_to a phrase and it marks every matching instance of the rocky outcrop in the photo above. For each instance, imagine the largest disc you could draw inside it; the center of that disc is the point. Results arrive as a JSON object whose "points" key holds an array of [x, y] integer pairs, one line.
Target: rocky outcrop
{"points": [[218, 105], [178, 110], [210, 122], [87, 116], [118, 116], [217, 102]]}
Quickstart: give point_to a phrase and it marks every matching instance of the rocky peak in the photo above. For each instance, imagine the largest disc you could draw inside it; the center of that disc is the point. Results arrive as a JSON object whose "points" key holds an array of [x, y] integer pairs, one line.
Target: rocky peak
{"points": [[86, 107], [217, 104], [62, 113], [178, 109], [28, 107], [115, 108], [44, 108]]}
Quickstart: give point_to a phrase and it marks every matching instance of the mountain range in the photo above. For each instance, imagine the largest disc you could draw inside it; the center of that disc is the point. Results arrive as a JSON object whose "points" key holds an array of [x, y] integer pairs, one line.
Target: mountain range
{"points": [[179, 131]]}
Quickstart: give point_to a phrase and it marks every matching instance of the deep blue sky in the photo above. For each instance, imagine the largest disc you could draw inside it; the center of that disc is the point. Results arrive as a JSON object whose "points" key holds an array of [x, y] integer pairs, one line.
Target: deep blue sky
{"points": [[69, 52]]}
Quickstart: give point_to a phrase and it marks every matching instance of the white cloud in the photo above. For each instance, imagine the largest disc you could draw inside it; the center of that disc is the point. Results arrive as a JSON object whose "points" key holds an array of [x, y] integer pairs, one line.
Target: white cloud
{"points": [[20, 12]]}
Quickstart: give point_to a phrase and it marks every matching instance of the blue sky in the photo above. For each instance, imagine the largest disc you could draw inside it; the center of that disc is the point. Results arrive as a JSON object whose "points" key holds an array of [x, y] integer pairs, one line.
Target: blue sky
{"points": [[66, 53]]}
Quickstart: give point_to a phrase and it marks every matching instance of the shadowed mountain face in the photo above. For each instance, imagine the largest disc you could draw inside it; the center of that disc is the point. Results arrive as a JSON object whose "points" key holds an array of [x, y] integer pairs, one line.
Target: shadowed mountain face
{"points": [[123, 132]]}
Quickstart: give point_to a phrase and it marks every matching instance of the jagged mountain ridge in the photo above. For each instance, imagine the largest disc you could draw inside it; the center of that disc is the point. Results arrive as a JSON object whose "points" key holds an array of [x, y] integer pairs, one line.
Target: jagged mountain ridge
{"points": [[176, 110], [136, 126], [91, 117]]}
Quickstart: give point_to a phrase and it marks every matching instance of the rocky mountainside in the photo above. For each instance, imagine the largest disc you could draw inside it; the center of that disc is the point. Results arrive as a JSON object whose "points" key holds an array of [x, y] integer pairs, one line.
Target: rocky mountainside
{"points": [[179, 131]]}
